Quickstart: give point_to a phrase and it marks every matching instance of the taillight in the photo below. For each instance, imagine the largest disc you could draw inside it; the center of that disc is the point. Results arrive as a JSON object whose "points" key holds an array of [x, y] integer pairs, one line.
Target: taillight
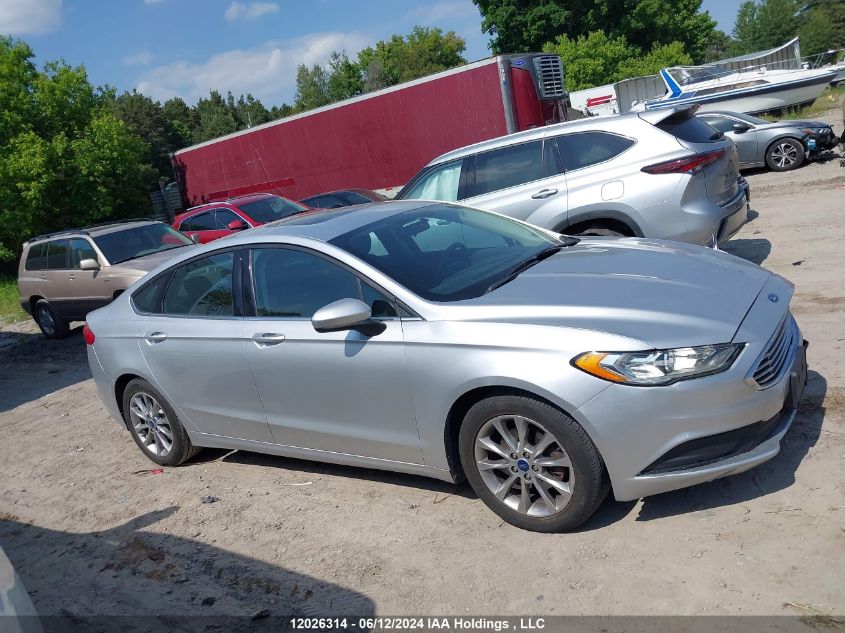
{"points": [[88, 334], [685, 165]]}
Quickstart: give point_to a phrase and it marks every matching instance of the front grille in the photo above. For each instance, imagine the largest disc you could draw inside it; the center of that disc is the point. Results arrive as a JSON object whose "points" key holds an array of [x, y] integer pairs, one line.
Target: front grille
{"points": [[550, 75], [777, 355]]}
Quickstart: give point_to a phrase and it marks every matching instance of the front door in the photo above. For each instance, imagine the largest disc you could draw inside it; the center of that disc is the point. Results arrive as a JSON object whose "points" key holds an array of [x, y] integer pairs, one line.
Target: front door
{"points": [[342, 392], [194, 348], [87, 286]]}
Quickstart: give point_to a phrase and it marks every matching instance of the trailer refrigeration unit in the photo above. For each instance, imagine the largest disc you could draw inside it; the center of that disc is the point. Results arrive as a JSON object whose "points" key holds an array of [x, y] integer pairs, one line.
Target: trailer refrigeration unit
{"points": [[377, 140]]}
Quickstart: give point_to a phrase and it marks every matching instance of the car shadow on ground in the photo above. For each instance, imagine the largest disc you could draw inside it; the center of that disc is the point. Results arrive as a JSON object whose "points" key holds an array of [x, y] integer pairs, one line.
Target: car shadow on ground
{"points": [[754, 249], [161, 582], [775, 475], [32, 366]]}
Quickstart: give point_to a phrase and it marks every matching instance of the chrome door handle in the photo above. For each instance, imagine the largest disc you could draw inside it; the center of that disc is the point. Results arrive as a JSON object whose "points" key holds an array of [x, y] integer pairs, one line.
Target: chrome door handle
{"points": [[71, 276], [268, 338], [155, 337], [544, 193]]}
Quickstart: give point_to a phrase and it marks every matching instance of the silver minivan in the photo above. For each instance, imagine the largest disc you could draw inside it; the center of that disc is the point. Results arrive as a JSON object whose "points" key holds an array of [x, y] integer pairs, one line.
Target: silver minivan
{"points": [[661, 174]]}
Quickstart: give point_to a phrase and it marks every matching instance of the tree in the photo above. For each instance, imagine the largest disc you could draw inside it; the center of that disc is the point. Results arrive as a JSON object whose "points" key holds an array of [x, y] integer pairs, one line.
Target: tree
{"points": [[822, 26], [214, 118], [312, 87], [145, 118], [718, 46], [764, 25], [345, 78], [518, 26], [597, 59], [66, 160], [250, 112], [183, 121]]}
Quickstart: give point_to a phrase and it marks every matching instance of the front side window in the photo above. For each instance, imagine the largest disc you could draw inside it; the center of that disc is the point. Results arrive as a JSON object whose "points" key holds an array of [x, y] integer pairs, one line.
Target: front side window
{"points": [[202, 287], [137, 241], [199, 222], [508, 167], [224, 217], [439, 183], [590, 148], [295, 284], [720, 123], [81, 249], [57, 255], [446, 252]]}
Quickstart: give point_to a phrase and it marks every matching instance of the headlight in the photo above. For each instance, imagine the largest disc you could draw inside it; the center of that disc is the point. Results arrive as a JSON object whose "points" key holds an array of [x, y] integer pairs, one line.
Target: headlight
{"points": [[658, 367]]}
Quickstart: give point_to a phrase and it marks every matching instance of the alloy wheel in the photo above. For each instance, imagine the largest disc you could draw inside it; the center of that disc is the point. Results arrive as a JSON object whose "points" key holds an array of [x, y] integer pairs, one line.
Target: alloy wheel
{"points": [[151, 424], [524, 465], [784, 155]]}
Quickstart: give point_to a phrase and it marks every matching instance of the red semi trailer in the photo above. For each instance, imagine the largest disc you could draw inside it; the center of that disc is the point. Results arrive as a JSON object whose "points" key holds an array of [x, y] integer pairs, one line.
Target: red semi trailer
{"points": [[381, 139]]}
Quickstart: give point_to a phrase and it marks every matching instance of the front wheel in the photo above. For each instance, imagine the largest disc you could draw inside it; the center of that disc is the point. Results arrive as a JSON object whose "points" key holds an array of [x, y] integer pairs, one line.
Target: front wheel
{"points": [[532, 464], [785, 154], [154, 425]]}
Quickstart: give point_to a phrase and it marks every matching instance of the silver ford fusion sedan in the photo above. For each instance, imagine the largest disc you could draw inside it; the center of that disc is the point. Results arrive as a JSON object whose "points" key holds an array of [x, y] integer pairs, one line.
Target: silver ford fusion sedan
{"points": [[439, 340]]}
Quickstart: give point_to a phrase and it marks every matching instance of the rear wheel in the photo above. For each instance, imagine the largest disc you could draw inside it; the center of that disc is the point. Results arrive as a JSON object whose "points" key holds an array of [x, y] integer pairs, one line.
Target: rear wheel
{"points": [[785, 154], [50, 323], [154, 425], [532, 464]]}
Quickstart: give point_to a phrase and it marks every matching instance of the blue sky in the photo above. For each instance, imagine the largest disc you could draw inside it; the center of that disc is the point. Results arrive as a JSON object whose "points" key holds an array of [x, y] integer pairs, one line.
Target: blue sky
{"points": [[185, 48]]}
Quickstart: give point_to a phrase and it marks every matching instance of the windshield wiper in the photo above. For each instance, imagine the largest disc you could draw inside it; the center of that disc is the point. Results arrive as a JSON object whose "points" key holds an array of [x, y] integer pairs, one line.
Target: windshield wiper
{"points": [[525, 265]]}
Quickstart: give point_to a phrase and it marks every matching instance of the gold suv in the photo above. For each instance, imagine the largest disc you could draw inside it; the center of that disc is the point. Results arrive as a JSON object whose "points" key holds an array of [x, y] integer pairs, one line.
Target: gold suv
{"points": [[63, 276]]}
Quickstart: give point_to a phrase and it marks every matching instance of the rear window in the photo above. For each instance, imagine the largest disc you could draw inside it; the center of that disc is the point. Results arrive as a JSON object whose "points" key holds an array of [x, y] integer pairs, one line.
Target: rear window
{"points": [[689, 128]]}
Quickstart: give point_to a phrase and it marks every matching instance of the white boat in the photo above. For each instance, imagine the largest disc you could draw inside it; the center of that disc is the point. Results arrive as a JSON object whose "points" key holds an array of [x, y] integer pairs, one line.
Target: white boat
{"points": [[749, 90]]}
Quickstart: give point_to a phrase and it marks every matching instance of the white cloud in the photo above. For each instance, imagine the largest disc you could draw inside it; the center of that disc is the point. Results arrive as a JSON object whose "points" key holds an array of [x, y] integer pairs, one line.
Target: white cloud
{"points": [[267, 71], [141, 58], [251, 11], [30, 17], [443, 11]]}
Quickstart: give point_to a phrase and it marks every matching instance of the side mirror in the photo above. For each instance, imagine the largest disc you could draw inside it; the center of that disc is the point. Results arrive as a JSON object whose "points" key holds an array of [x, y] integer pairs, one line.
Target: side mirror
{"points": [[237, 225], [346, 314], [89, 264], [740, 128]]}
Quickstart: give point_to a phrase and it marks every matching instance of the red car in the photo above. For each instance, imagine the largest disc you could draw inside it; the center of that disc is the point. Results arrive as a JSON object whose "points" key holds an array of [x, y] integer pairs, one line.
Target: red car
{"points": [[214, 220]]}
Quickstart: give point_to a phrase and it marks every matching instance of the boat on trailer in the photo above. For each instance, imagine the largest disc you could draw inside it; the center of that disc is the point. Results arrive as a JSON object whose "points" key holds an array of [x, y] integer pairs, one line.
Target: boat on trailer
{"points": [[750, 90]]}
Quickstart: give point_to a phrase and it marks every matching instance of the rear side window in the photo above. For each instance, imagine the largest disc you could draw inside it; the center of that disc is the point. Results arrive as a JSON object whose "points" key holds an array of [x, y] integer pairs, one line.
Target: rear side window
{"points": [[57, 255], [199, 222], [36, 258], [508, 167], [589, 148], [689, 128], [148, 298], [202, 287]]}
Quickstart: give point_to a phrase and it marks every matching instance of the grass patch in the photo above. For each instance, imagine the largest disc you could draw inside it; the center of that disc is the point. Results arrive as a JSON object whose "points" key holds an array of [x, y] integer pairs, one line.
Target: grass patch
{"points": [[827, 100], [10, 307]]}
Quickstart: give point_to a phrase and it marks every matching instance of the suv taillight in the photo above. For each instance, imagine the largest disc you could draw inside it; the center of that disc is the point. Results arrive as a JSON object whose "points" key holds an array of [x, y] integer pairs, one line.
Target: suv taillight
{"points": [[88, 334], [685, 165]]}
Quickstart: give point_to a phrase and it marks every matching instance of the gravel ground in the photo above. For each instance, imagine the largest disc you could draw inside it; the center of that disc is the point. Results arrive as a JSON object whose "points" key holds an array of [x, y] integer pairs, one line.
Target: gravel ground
{"points": [[92, 531]]}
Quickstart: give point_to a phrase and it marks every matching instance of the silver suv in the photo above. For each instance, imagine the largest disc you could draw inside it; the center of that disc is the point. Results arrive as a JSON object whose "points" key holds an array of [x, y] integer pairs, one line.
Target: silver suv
{"points": [[663, 174], [63, 276]]}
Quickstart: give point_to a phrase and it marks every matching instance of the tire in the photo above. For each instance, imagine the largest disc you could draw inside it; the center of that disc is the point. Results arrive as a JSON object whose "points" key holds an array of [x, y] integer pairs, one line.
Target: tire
{"points": [[51, 324], [598, 230], [151, 432], [785, 154], [571, 462]]}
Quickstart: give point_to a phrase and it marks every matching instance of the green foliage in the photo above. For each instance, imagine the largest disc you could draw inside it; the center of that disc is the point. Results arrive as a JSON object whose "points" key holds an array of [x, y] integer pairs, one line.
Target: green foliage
{"points": [[422, 52], [596, 59], [345, 78], [718, 46], [764, 25], [214, 118], [10, 307], [66, 159], [518, 26], [312, 87]]}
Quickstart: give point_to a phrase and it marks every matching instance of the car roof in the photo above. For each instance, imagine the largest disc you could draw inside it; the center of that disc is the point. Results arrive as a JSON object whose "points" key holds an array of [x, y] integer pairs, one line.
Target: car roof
{"points": [[94, 230], [326, 224], [604, 123]]}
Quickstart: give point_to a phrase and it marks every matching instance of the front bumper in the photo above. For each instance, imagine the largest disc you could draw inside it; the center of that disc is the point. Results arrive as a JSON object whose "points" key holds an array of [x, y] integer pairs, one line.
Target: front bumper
{"points": [[657, 439], [821, 141]]}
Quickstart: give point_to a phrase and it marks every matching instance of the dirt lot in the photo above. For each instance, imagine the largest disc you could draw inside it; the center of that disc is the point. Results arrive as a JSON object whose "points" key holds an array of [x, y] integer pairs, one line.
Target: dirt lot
{"points": [[92, 532]]}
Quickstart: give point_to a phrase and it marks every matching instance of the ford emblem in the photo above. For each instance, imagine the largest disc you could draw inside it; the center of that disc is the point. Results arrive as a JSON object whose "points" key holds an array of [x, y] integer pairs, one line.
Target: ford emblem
{"points": [[773, 298]]}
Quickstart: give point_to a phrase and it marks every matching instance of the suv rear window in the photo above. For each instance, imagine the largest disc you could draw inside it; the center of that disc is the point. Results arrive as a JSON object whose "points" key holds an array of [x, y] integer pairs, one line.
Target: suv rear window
{"points": [[689, 128]]}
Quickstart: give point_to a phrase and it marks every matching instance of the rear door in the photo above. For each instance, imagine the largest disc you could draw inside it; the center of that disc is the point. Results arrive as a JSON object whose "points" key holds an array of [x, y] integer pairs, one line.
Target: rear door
{"points": [[54, 280], [515, 180], [192, 341]]}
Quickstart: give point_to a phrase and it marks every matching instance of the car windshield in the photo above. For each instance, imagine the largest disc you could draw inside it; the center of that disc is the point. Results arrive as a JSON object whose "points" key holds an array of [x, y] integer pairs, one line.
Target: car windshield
{"points": [[137, 241], [271, 209], [445, 252]]}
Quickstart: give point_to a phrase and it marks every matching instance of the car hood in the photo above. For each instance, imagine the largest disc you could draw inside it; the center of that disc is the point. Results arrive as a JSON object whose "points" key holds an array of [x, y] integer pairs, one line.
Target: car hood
{"points": [[798, 124], [664, 294], [148, 262]]}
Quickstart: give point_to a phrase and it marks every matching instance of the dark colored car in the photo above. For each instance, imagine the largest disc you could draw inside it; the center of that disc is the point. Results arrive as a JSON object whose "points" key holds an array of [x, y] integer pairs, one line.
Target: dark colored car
{"points": [[214, 220], [343, 198]]}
